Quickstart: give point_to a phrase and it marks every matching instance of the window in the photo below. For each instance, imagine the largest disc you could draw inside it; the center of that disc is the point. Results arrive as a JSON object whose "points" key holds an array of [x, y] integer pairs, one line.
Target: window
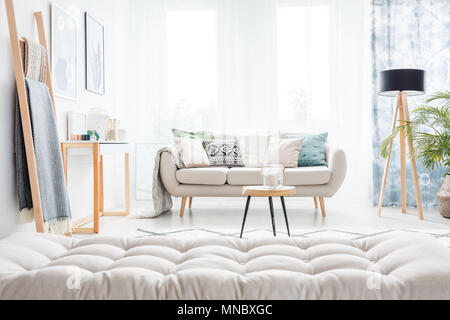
{"points": [[303, 64], [192, 70]]}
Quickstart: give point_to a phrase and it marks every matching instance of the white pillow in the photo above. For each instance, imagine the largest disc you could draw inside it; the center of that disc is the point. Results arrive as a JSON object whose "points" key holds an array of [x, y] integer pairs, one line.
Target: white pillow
{"points": [[284, 152], [192, 153], [254, 147]]}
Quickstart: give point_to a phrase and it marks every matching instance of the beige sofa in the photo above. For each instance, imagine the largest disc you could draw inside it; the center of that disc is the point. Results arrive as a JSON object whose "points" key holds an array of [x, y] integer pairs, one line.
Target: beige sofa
{"points": [[317, 182]]}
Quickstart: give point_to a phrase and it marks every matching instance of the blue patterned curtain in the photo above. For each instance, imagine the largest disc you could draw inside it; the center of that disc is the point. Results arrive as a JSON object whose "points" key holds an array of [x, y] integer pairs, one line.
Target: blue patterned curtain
{"points": [[408, 34]]}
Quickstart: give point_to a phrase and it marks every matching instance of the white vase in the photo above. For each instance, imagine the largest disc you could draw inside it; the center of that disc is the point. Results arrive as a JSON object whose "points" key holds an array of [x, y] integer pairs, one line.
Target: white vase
{"points": [[273, 176]]}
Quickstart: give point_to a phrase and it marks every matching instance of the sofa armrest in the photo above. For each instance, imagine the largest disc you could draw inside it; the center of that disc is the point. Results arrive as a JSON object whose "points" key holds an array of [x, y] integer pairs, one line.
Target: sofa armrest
{"points": [[167, 171], [337, 163]]}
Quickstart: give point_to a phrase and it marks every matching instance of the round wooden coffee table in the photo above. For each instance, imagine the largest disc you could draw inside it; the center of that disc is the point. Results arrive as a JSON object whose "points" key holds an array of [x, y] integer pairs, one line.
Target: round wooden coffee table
{"points": [[259, 191]]}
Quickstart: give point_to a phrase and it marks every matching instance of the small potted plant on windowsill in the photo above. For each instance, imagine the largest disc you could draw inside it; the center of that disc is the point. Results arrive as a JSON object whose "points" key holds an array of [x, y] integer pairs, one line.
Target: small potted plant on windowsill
{"points": [[430, 131]]}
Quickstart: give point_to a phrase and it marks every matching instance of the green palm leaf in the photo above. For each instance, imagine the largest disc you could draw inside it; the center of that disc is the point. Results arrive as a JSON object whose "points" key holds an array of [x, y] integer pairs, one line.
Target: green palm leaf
{"points": [[430, 132]]}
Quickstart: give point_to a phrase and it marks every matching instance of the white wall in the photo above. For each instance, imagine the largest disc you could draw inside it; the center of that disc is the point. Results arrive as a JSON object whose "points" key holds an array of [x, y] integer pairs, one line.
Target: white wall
{"points": [[80, 170]]}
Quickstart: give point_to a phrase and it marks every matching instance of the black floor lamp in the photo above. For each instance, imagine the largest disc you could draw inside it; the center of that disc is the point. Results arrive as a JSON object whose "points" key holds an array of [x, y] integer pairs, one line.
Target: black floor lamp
{"points": [[401, 83]]}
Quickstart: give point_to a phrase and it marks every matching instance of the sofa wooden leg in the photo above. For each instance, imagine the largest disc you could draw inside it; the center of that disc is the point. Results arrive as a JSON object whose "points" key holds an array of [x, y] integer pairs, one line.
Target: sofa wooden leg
{"points": [[322, 207], [183, 204], [190, 202], [315, 202]]}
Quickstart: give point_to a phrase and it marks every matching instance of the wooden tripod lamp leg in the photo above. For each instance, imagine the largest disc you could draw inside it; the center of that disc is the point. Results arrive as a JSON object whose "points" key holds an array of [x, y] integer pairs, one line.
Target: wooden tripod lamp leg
{"points": [[402, 157], [413, 159], [388, 159]]}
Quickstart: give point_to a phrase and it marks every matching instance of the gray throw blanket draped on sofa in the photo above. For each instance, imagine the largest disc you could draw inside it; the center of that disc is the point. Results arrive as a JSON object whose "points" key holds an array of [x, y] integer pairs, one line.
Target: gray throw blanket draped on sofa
{"points": [[162, 200], [52, 185]]}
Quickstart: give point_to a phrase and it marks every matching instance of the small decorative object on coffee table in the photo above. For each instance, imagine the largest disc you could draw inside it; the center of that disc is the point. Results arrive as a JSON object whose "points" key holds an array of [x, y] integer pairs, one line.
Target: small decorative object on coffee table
{"points": [[261, 191], [273, 176]]}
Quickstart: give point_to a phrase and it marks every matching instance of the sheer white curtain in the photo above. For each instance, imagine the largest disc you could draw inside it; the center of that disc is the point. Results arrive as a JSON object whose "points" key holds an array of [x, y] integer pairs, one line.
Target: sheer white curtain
{"points": [[229, 65]]}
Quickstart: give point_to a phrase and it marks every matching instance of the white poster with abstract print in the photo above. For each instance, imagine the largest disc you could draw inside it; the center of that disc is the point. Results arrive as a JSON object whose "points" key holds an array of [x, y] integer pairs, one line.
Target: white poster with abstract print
{"points": [[95, 64], [64, 53]]}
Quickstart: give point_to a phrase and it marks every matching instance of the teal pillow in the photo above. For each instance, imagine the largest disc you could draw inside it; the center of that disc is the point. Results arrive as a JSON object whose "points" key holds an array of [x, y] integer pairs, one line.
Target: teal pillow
{"points": [[313, 150]]}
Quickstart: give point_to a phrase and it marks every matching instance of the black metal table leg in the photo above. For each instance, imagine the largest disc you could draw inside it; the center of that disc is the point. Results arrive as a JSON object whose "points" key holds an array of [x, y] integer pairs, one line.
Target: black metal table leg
{"points": [[245, 214], [272, 216], [285, 215]]}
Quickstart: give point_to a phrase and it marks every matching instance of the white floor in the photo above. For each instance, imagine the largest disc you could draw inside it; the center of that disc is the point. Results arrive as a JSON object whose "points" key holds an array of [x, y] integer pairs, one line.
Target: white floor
{"points": [[225, 215]]}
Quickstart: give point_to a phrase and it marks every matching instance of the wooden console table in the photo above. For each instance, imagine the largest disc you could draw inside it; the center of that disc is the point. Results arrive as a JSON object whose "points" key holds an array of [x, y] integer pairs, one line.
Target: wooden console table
{"points": [[99, 149]]}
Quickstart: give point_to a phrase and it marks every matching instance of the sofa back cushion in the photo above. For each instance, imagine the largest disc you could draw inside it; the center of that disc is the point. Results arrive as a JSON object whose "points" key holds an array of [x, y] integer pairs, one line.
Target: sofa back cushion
{"points": [[223, 153], [192, 152], [253, 146]]}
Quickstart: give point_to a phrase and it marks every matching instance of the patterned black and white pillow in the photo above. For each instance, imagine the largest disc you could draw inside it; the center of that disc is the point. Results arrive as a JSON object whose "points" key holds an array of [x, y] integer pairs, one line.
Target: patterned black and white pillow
{"points": [[222, 153]]}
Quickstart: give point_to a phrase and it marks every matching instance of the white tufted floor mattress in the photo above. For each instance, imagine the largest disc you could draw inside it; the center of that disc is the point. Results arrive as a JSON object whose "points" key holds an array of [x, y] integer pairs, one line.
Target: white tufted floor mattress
{"points": [[391, 266]]}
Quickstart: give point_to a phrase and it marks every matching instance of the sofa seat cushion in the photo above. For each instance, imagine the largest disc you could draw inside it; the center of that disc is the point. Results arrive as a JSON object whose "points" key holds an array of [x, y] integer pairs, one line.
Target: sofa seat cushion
{"points": [[304, 176], [203, 176], [307, 176]]}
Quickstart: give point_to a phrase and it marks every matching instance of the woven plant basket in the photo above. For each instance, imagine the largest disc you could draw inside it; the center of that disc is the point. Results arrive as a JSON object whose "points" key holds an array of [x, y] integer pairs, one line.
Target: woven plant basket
{"points": [[444, 198]]}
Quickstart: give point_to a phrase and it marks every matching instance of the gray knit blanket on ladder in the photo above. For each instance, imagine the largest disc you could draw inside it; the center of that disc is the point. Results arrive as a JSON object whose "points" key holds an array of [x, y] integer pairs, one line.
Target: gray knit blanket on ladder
{"points": [[52, 184]]}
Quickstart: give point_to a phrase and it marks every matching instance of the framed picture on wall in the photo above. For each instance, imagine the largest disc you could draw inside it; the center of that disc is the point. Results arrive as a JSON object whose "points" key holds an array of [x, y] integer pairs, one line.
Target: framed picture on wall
{"points": [[95, 55], [64, 53]]}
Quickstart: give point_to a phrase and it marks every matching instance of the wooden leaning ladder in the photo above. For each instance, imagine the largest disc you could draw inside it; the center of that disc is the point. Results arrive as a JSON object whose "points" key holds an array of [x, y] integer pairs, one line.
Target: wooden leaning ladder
{"points": [[24, 107]]}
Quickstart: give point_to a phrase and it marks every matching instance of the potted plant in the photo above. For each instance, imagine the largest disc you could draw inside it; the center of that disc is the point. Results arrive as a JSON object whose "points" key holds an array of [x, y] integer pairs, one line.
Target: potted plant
{"points": [[430, 132]]}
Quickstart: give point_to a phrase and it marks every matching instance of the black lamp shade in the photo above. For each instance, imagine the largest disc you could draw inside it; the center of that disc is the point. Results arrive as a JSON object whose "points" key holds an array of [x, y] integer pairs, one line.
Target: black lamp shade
{"points": [[411, 81]]}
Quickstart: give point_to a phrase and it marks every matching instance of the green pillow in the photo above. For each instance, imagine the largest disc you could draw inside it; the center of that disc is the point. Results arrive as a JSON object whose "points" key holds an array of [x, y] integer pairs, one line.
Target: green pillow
{"points": [[201, 135], [313, 150]]}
